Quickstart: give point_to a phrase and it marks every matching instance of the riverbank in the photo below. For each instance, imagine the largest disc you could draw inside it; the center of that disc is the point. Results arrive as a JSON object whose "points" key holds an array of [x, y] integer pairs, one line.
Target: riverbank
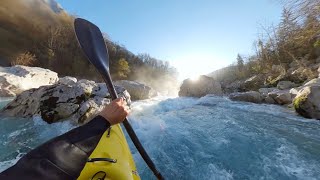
{"points": [[301, 97], [40, 92]]}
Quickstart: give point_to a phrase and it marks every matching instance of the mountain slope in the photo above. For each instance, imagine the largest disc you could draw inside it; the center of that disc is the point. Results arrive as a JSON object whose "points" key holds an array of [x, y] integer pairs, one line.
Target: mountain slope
{"points": [[20, 20]]}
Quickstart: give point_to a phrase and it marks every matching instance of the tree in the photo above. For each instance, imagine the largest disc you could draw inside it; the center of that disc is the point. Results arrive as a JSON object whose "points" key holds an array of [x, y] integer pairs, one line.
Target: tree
{"points": [[123, 69], [240, 62], [25, 59]]}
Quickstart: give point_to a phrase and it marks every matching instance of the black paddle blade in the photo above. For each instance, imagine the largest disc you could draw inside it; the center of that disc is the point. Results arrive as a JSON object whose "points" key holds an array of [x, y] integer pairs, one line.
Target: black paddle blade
{"points": [[92, 43]]}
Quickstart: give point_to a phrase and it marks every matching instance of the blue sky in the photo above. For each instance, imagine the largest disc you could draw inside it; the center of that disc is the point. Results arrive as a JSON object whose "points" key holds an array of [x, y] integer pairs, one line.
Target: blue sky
{"points": [[197, 37]]}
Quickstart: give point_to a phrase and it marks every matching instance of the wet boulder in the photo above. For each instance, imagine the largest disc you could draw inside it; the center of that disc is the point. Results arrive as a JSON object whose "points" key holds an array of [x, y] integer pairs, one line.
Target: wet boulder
{"points": [[79, 102], [16, 79], [202, 86]]}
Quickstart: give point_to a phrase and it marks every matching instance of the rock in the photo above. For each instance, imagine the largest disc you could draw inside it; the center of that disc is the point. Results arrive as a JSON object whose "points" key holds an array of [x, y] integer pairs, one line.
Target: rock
{"points": [[265, 91], [16, 79], [313, 82], [277, 68], [307, 102], [200, 87], [232, 87], [254, 83], [294, 91], [318, 58], [67, 80], [273, 79], [294, 64], [300, 75], [281, 97], [285, 85], [268, 100], [314, 67], [250, 96], [79, 102], [265, 97], [137, 90], [6, 93]]}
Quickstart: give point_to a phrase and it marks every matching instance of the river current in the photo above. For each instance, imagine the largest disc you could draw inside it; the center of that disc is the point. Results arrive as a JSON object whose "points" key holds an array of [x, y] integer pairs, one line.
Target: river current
{"points": [[192, 138]]}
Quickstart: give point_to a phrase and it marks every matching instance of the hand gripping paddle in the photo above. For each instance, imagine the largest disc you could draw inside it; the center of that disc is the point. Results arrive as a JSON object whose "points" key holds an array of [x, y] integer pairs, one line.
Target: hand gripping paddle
{"points": [[93, 45]]}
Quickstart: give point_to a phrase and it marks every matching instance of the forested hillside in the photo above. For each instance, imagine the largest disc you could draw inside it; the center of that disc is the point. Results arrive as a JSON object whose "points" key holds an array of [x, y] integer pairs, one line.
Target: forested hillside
{"points": [[287, 51], [33, 34]]}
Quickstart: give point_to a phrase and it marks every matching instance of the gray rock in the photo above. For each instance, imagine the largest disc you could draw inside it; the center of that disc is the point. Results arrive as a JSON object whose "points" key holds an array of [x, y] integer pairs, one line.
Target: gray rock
{"points": [[250, 96], [318, 58], [200, 87], [57, 102], [265, 91], [301, 74], [232, 87], [307, 102], [281, 97], [294, 64], [294, 91], [285, 85], [68, 80], [268, 100], [253, 83], [6, 93], [16, 79], [313, 82], [137, 91], [277, 68]]}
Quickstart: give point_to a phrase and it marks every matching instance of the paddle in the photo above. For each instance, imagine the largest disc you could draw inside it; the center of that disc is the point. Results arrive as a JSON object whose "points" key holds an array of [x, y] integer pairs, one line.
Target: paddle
{"points": [[92, 43]]}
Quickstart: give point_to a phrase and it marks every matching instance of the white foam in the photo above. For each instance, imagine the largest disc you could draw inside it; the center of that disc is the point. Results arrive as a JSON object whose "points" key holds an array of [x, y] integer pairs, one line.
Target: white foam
{"points": [[6, 164]]}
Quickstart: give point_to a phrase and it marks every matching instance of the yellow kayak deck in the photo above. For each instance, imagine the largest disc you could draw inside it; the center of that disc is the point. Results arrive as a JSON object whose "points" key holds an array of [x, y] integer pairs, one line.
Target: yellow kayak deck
{"points": [[112, 145]]}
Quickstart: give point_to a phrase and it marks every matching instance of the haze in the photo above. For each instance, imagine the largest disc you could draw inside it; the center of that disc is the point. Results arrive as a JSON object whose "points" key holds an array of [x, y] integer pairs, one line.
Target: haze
{"points": [[197, 37]]}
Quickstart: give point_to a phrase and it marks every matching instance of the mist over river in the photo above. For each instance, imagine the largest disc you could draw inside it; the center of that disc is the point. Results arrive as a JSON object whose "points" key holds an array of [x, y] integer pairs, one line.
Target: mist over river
{"points": [[191, 138]]}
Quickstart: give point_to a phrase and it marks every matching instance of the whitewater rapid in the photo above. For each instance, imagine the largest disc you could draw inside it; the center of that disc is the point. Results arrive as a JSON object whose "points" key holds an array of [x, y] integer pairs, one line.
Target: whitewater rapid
{"points": [[206, 138]]}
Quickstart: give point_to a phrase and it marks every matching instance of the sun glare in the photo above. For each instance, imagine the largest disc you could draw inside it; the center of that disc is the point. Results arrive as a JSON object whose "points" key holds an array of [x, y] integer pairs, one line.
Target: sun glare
{"points": [[195, 78], [194, 64]]}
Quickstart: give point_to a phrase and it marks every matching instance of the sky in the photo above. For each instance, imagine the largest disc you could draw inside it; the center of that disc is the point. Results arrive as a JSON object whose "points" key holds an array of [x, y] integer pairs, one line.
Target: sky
{"points": [[195, 36]]}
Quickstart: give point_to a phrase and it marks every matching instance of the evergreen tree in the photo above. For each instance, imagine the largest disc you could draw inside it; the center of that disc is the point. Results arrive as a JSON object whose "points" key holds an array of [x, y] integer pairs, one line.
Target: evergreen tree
{"points": [[240, 62]]}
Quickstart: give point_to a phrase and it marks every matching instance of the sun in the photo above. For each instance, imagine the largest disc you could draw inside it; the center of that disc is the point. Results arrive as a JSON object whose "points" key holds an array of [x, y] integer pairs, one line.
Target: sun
{"points": [[193, 64], [195, 77]]}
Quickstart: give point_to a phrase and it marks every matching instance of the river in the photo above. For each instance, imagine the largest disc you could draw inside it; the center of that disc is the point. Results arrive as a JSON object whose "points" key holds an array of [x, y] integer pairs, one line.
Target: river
{"points": [[192, 138]]}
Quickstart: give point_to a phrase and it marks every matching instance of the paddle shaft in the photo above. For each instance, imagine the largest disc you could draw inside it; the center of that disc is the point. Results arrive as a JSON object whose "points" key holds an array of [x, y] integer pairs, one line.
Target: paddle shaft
{"points": [[92, 43], [107, 78]]}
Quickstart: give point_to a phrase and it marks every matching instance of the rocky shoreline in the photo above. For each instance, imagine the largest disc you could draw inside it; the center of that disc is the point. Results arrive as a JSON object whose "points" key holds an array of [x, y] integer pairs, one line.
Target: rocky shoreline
{"points": [[40, 92], [305, 99]]}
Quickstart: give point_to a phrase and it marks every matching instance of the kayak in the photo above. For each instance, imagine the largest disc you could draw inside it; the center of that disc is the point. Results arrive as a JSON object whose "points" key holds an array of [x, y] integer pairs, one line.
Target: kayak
{"points": [[111, 159]]}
